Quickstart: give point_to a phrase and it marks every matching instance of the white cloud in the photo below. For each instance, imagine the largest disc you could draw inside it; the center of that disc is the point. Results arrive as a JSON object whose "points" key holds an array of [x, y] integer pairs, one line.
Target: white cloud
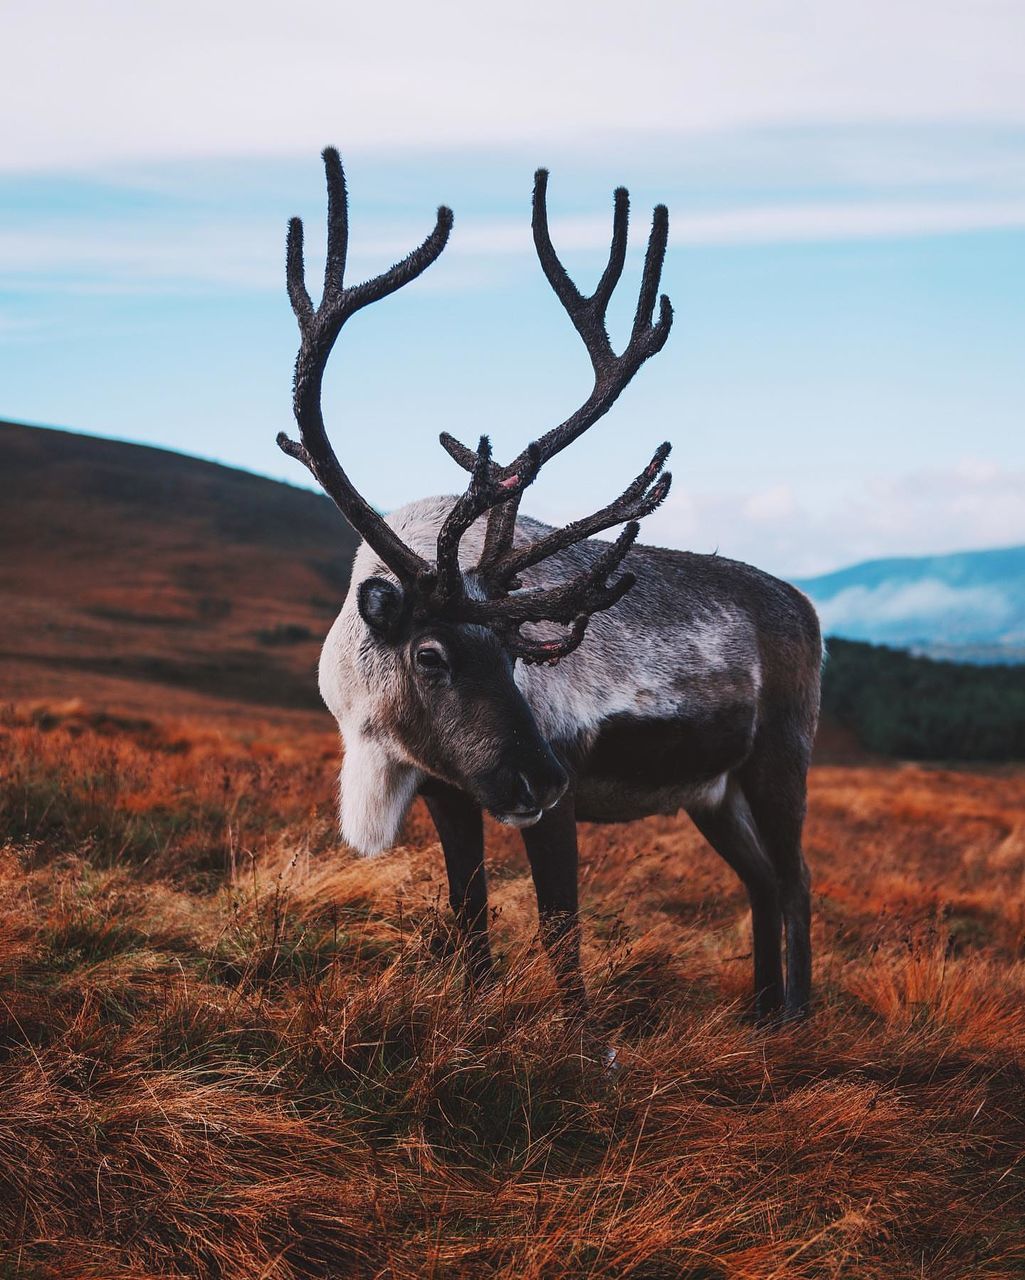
{"points": [[130, 257], [911, 607], [762, 224], [769, 505], [850, 221], [137, 257], [88, 84], [970, 506]]}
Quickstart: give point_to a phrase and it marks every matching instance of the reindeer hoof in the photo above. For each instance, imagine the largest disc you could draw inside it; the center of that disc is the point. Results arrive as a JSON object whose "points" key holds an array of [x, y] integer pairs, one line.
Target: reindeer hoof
{"points": [[596, 1051]]}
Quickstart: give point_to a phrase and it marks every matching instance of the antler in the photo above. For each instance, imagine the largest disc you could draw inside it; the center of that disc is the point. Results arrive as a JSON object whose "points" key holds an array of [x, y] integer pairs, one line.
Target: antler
{"points": [[572, 602], [319, 328], [485, 492], [637, 500], [438, 588], [500, 563]]}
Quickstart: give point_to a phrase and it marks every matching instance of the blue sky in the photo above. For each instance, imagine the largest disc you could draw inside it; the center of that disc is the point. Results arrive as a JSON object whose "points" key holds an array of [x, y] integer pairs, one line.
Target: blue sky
{"points": [[847, 257]]}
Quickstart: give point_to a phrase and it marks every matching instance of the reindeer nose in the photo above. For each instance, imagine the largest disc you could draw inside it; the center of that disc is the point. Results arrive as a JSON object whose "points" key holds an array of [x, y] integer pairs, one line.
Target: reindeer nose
{"points": [[545, 788]]}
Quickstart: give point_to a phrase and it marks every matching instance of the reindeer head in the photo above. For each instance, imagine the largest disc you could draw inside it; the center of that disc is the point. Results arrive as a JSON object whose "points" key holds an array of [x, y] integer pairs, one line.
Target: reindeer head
{"points": [[418, 668]]}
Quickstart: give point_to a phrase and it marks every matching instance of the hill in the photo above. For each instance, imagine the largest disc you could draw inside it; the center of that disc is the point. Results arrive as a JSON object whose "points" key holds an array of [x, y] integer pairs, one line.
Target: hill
{"points": [[143, 581], [136, 577], [969, 606], [229, 1048]]}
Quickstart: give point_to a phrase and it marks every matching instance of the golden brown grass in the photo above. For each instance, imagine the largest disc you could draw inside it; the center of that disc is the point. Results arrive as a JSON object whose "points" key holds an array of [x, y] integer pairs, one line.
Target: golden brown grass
{"points": [[227, 1049]]}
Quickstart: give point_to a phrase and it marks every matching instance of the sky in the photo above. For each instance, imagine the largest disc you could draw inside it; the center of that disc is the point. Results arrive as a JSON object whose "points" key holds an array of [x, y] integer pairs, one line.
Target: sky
{"points": [[846, 186]]}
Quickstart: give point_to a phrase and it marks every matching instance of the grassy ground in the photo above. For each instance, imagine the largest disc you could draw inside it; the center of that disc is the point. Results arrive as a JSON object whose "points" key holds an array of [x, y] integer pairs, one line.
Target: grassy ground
{"points": [[229, 1049]]}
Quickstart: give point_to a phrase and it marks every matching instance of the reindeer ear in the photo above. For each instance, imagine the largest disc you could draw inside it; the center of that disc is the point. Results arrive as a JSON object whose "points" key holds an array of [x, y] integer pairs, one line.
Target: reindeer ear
{"points": [[382, 606]]}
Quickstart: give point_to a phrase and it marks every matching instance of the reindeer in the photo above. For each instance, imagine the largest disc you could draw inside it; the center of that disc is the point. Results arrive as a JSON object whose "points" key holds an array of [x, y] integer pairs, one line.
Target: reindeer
{"points": [[690, 682]]}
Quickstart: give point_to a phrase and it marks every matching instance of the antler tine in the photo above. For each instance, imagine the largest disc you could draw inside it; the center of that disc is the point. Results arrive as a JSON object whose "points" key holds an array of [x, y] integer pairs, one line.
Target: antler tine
{"points": [[319, 328], [337, 225], [466, 458], [617, 251], [612, 372], [295, 275], [556, 274], [653, 336], [498, 537], [502, 520], [567, 292], [588, 592], [484, 492], [638, 499], [466, 509], [548, 652]]}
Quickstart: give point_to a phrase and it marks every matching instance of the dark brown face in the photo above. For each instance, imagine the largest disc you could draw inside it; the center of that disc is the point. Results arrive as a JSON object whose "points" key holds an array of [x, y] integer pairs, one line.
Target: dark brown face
{"points": [[459, 713]]}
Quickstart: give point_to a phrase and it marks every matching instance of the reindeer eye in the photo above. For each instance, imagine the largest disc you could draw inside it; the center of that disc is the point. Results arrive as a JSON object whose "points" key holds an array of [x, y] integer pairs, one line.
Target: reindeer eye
{"points": [[430, 660]]}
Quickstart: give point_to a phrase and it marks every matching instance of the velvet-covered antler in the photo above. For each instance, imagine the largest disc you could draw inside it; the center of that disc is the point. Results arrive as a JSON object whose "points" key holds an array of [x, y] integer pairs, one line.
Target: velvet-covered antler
{"points": [[438, 588], [500, 562], [485, 492], [571, 602], [319, 328]]}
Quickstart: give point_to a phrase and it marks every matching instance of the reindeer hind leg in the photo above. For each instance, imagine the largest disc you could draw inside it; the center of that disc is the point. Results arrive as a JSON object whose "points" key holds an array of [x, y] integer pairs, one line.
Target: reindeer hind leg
{"points": [[774, 780], [731, 831]]}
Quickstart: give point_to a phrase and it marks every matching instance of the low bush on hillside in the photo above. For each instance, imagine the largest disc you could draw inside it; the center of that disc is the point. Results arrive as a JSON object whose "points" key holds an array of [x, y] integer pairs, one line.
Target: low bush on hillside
{"points": [[921, 709]]}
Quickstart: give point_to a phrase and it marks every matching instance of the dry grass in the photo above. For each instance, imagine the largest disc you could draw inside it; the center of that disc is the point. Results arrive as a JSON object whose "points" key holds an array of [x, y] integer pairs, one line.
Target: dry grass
{"points": [[230, 1050]]}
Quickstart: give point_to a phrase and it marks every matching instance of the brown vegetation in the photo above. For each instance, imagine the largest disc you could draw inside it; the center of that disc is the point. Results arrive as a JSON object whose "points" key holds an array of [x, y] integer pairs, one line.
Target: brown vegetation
{"points": [[231, 1050], [134, 576]]}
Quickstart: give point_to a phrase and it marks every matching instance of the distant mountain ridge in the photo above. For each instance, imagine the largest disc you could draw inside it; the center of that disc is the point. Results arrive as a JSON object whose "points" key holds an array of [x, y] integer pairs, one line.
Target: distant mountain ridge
{"points": [[968, 606]]}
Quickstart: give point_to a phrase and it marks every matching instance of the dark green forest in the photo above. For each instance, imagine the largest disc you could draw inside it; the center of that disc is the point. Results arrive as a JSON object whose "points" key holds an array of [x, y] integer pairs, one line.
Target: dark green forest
{"points": [[921, 709]]}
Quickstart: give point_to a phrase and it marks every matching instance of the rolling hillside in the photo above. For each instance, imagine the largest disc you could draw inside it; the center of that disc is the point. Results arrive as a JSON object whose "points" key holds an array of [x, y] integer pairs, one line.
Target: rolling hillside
{"points": [[145, 582], [135, 577], [231, 1048]]}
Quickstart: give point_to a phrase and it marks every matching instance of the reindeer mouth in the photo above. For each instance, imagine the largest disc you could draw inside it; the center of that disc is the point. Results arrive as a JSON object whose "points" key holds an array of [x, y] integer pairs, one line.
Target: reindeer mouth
{"points": [[524, 819]]}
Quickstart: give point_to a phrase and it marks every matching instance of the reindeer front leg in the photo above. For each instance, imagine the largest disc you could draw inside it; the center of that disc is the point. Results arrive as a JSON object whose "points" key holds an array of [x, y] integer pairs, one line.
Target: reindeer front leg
{"points": [[460, 828], [551, 846]]}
